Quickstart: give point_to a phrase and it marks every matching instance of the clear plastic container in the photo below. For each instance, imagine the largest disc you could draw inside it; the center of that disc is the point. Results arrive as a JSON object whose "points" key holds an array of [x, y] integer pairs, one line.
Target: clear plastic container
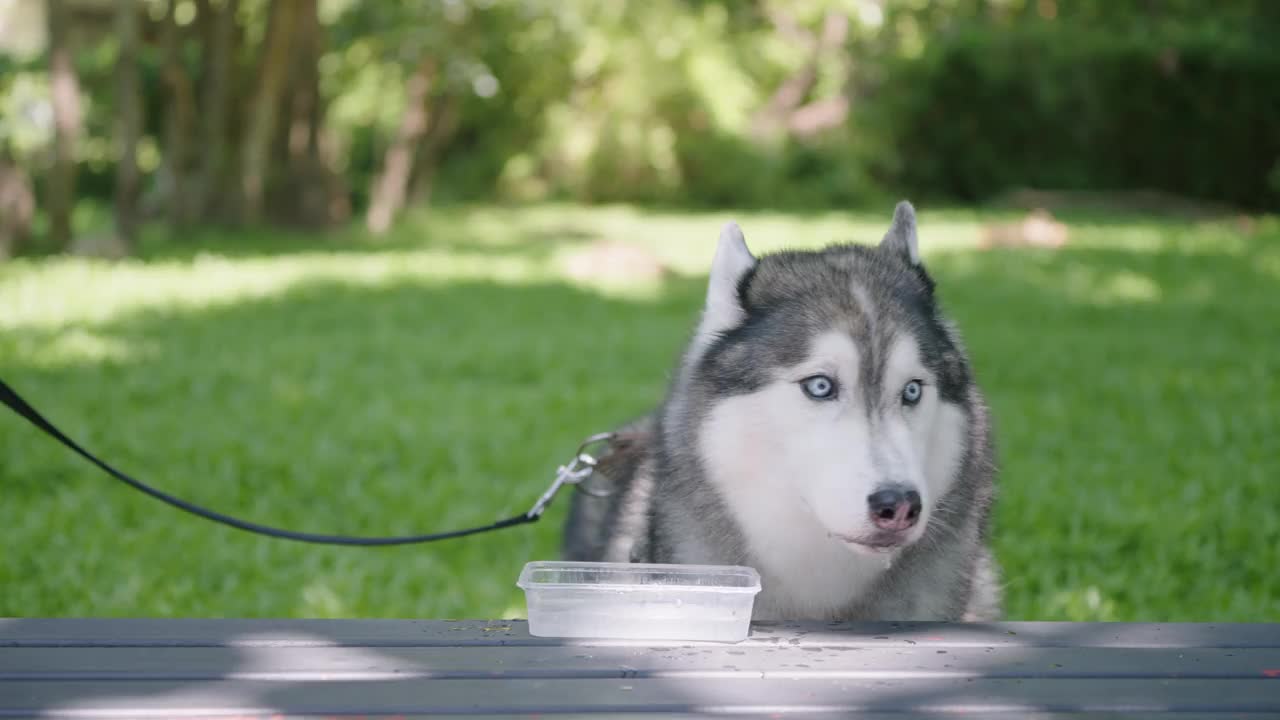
{"points": [[636, 601]]}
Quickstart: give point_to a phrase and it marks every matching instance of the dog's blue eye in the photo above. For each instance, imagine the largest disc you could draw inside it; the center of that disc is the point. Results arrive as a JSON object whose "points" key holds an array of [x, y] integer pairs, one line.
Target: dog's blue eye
{"points": [[912, 392], [819, 387]]}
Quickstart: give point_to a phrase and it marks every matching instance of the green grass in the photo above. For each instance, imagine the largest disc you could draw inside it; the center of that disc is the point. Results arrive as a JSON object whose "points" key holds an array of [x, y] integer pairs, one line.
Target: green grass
{"points": [[436, 378]]}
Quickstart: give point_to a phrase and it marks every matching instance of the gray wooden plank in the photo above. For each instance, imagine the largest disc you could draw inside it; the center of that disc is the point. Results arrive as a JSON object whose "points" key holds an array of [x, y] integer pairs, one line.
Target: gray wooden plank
{"points": [[1025, 634], [941, 696], [160, 632], [346, 664], [931, 715], [807, 714]]}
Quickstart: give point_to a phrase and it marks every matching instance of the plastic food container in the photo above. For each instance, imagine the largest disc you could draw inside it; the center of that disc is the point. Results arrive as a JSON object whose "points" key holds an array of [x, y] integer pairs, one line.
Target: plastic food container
{"points": [[639, 601]]}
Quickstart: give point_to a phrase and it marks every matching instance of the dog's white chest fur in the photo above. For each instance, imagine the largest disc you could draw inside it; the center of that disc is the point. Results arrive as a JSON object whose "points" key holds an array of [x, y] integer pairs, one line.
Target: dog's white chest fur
{"points": [[805, 574]]}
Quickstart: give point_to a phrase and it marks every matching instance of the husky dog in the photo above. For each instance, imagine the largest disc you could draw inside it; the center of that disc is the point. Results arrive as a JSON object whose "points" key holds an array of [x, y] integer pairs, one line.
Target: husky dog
{"points": [[823, 427]]}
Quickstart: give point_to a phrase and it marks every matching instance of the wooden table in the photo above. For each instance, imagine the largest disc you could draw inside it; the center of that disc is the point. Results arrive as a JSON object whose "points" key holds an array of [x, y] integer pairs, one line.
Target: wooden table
{"points": [[153, 668]]}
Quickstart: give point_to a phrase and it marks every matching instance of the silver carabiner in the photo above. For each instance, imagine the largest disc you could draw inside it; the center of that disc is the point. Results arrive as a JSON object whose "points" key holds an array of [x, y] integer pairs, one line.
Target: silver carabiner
{"points": [[593, 440], [578, 469]]}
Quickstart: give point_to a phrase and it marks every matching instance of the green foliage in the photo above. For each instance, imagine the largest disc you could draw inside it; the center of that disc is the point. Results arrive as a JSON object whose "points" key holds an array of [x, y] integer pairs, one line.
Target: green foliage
{"points": [[604, 101], [722, 170], [23, 127], [505, 62], [1186, 107], [436, 378]]}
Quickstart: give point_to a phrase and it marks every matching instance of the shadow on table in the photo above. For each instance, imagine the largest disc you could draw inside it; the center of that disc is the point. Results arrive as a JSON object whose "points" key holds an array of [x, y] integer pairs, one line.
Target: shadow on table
{"points": [[391, 668]]}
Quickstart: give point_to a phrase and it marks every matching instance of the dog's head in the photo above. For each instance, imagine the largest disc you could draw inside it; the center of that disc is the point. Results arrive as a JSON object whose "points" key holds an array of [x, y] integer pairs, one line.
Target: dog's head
{"points": [[830, 380]]}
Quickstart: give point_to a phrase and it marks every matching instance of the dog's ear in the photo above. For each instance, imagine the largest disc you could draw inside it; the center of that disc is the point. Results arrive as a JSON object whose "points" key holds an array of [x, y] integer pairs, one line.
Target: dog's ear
{"points": [[901, 239], [732, 261]]}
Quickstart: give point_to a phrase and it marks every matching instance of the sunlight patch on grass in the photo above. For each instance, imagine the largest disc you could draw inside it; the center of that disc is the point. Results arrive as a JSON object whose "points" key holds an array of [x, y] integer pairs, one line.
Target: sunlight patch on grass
{"points": [[74, 346], [319, 600], [1217, 237], [1267, 260], [1270, 264], [683, 240], [1095, 286], [688, 247], [502, 245], [1138, 237], [1082, 283], [56, 293], [621, 290], [1085, 604]]}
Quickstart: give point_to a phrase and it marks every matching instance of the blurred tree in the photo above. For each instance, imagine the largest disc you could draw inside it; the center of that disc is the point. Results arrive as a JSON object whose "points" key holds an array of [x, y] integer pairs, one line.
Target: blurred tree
{"points": [[128, 109], [17, 204], [302, 112], [782, 112], [391, 187], [218, 37], [180, 120], [468, 84], [285, 17], [67, 123], [305, 189]]}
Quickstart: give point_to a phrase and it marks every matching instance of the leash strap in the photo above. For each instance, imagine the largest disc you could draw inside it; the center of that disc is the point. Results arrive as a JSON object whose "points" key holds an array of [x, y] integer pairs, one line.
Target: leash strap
{"points": [[574, 473]]}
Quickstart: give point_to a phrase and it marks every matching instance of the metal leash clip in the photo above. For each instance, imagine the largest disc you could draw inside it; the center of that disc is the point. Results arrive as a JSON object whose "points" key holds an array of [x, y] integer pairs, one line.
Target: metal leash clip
{"points": [[578, 469]]}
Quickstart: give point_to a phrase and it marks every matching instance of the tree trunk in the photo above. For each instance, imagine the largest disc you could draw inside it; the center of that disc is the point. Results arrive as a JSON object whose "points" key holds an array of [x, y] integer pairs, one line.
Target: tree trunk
{"points": [[219, 36], [304, 190], [17, 205], [443, 121], [128, 120], [390, 189], [777, 114], [179, 124], [818, 116], [304, 104], [67, 122], [309, 181], [265, 106]]}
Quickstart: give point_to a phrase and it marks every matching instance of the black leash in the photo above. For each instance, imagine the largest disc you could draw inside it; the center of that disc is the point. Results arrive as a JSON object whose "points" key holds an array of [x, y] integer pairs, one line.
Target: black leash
{"points": [[573, 473]]}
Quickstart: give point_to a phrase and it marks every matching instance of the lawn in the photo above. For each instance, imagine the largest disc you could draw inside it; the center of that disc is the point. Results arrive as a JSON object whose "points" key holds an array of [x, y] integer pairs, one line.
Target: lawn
{"points": [[434, 380]]}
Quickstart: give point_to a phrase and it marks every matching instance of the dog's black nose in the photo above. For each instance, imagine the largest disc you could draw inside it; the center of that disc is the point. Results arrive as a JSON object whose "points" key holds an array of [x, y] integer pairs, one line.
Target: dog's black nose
{"points": [[894, 508]]}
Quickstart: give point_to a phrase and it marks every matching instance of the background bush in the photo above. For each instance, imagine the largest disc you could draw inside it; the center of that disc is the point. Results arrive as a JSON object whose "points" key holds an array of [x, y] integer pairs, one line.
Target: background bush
{"points": [[1192, 110]]}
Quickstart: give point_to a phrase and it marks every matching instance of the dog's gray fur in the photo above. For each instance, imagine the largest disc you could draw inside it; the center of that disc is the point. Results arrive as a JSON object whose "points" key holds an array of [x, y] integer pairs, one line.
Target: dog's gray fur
{"points": [[660, 506]]}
